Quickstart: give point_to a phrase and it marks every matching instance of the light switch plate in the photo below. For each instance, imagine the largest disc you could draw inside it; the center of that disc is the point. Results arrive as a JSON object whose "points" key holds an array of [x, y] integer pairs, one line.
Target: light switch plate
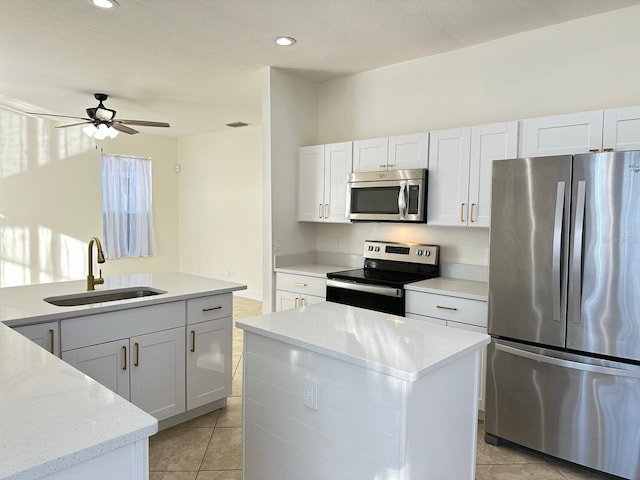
{"points": [[310, 393]]}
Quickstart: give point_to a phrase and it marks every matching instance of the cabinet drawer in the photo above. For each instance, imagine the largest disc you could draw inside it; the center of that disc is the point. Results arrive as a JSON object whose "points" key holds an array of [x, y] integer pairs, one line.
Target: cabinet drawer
{"points": [[463, 310], [302, 284], [209, 308]]}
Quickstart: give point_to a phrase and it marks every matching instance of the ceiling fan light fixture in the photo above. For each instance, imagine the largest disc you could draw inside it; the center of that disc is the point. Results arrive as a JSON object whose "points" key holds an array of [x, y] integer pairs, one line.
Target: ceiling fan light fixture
{"points": [[100, 132], [285, 41], [104, 4]]}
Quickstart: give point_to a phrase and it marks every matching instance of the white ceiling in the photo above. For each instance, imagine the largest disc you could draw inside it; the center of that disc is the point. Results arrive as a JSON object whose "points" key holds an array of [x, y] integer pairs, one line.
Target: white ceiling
{"points": [[195, 63]]}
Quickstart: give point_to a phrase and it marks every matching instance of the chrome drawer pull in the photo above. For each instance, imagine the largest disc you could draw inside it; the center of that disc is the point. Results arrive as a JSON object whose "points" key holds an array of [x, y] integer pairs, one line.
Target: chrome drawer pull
{"points": [[209, 309], [300, 284], [446, 308]]}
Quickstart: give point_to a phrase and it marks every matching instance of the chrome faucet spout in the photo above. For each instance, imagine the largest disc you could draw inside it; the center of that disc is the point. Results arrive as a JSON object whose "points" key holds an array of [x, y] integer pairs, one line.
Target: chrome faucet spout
{"points": [[91, 280]]}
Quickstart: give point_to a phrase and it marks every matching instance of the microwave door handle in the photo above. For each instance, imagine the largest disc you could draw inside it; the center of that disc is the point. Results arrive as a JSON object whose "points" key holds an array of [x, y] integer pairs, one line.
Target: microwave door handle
{"points": [[402, 200]]}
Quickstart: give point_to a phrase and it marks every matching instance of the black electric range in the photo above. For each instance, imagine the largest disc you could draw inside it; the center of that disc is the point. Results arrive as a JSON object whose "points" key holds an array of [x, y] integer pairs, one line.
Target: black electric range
{"points": [[388, 267]]}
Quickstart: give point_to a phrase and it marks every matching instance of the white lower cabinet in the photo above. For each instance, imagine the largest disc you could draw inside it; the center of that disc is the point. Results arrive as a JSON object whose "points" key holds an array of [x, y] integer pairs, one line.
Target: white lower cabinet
{"points": [[455, 312], [294, 291], [138, 353], [47, 335]]}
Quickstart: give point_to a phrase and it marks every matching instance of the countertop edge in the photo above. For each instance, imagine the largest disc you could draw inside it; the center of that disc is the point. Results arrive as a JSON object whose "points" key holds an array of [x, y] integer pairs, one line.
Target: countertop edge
{"points": [[361, 362]]}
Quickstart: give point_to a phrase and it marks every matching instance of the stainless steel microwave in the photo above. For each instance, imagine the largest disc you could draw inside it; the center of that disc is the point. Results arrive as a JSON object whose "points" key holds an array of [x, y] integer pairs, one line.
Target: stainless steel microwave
{"points": [[390, 196]]}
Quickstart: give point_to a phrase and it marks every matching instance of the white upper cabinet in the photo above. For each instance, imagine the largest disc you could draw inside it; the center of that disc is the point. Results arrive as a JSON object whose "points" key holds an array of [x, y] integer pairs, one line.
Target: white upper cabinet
{"points": [[399, 152], [621, 129], [408, 151], [460, 167], [562, 134], [370, 155], [611, 129], [448, 175], [496, 141], [322, 182]]}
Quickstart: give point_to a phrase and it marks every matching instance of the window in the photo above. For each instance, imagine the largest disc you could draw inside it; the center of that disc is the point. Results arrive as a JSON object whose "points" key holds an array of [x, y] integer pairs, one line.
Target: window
{"points": [[127, 217]]}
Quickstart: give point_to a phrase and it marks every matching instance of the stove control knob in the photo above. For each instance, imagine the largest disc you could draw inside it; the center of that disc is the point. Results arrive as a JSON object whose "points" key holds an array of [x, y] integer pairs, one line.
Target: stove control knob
{"points": [[419, 253], [427, 253], [377, 249], [370, 248]]}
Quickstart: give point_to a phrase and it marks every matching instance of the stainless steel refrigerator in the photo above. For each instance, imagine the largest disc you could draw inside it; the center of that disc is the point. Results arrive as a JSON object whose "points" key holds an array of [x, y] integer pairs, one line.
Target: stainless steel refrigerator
{"points": [[563, 367]]}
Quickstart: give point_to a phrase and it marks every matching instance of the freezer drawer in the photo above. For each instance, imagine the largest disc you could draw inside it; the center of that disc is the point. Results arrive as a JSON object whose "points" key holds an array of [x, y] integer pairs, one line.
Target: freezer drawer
{"points": [[566, 406]]}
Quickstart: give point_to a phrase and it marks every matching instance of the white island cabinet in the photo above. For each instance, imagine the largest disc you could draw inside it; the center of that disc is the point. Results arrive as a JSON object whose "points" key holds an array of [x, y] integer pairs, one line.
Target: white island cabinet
{"points": [[333, 391]]}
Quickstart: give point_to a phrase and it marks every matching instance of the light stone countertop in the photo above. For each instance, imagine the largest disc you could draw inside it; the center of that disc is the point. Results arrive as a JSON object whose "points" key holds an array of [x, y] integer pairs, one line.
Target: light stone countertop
{"points": [[453, 287], [312, 269], [400, 347], [53, 417], [25, 305]]}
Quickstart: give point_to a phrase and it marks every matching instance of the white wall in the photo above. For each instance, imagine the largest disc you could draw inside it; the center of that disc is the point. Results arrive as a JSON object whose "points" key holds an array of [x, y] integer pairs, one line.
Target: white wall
{"points": [[220, 192], [51, 200], [289, 120], [581, 65]]}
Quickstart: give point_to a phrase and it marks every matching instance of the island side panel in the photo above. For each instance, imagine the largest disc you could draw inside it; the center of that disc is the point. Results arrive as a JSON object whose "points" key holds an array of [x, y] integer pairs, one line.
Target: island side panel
{"points": [[442, 422], [356, 433]]}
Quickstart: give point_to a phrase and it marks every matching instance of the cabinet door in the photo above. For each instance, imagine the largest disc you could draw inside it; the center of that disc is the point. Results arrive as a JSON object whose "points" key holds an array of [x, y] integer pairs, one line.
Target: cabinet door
{"points": [[47, 335], [497, 141], [370, 155], [208, 362], [563, 134], [158, 372], [107, 363], [483, 360], [621, 129], [286, 300], [311, 184], [338, 161], [448, 193], [409, 151]]}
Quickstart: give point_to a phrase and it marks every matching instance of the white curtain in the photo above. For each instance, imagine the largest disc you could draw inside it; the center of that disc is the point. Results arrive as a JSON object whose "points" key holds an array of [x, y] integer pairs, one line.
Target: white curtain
{"points": [[126, 206]]}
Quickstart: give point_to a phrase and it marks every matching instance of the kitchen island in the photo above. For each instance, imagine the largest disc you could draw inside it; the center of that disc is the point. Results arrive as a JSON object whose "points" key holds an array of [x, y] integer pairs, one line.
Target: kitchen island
{"points": [[332, 391], [58, 422]]}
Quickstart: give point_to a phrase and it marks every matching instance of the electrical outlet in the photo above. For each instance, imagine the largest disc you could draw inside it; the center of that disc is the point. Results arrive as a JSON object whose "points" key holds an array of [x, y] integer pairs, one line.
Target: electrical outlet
{"points": [[276, 243], [310, 393], [335, 242]]}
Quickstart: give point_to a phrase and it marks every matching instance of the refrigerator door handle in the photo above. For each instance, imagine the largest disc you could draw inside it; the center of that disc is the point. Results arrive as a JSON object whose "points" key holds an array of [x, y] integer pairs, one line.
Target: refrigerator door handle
{"points": [[557, 253], [576, 259], [618, 372]]}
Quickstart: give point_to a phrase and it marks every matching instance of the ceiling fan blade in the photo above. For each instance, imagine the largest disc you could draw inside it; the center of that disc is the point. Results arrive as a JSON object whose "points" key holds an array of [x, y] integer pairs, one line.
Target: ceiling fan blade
{"points": [[55, 115], [123, 128], [73, 124], [143, 123]]}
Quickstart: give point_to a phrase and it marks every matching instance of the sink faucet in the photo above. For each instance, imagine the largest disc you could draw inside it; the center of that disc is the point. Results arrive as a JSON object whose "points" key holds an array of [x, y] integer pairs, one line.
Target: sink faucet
{"points": [[91, 281]]}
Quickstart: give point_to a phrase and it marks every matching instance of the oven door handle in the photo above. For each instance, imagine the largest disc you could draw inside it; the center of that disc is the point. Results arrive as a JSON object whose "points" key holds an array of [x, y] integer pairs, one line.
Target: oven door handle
{"points": [[362, 287]]}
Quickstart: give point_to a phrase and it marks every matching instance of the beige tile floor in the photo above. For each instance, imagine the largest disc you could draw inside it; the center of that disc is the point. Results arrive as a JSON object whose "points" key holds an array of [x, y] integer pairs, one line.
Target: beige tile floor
{"points": [[209, 447]]}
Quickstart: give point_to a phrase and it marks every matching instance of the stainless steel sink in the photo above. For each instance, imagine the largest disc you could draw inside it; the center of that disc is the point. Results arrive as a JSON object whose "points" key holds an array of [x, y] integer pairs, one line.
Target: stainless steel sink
{"points": [[87, 298]]}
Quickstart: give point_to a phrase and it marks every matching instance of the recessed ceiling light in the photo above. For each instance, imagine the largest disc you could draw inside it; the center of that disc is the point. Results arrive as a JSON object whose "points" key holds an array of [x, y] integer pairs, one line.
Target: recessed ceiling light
{"points": [[285, 41], [104, 4]]}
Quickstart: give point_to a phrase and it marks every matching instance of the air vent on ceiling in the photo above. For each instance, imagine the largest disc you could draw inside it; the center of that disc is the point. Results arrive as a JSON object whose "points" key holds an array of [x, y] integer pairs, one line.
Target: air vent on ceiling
{"points": [[237, 124]]}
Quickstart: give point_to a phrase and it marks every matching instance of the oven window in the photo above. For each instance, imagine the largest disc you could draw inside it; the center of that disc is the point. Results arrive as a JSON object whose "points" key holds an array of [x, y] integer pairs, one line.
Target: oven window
{"points": [[370, 301], [375, 200]]}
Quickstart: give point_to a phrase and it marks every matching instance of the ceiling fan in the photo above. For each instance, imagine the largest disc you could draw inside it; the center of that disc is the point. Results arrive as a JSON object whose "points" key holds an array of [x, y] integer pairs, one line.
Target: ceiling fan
{"points": [[102, 118]]}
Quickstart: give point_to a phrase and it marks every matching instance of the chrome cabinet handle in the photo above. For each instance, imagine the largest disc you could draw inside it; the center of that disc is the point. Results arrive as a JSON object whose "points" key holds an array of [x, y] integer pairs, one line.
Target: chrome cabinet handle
{"points": [[471, 213], [594, 150], [556, 272], [302, 302], [295, 303], [608, 149], [326, 210], [319, 210], [193, 340], [52, 341], [124, 351], [209, 309], [137, 362], [462, 212], [443, 307], [300, 284]]}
